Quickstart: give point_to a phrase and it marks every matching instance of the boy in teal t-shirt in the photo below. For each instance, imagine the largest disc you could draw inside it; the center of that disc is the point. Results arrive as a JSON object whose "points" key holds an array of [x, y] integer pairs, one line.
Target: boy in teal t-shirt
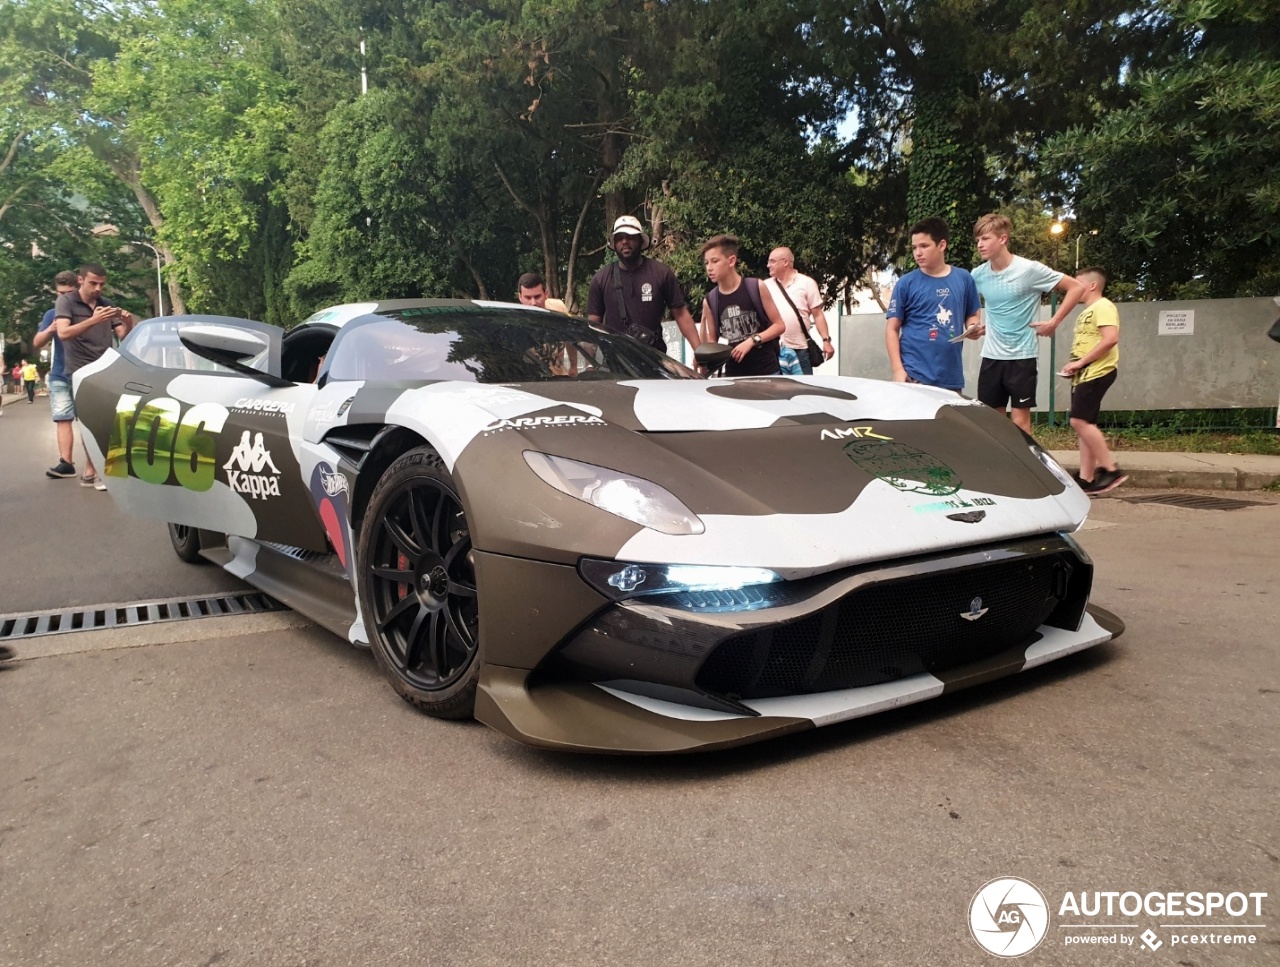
{"points": [[1011, 287]]}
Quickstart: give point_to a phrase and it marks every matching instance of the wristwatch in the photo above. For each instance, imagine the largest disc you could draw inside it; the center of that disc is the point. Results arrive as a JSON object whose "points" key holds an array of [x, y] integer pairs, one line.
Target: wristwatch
{"points": [[756, 339], [826, 339]]}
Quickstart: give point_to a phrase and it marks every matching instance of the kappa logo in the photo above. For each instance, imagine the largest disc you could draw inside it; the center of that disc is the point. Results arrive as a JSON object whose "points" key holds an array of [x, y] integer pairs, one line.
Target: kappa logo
{"points": [[333, 482], [245, 469], [528, 422], [857, 432]]}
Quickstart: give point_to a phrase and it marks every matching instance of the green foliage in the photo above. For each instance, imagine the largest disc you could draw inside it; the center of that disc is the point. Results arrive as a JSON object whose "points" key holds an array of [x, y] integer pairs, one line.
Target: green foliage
{"points": [[1182, 184]]}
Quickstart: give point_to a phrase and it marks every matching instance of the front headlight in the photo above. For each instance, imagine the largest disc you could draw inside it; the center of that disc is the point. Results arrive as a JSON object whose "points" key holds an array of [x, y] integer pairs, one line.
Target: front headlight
{"points": [[635, 499], [623, 579], [1053, 466]]}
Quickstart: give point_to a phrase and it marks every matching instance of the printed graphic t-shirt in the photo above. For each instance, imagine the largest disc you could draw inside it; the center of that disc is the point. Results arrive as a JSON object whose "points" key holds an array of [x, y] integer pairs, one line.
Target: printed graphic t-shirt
{"points": [[1012, 300], [1089, 333], [933, 311]]}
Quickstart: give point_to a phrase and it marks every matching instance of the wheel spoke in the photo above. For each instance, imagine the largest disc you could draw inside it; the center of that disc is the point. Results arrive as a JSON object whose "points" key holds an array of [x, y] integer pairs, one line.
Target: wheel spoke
{"points": [[402, 607], [396, 575], [460, 631], [415, 639], [419, 519], [461, 590], [401, 539], [439, 636]]}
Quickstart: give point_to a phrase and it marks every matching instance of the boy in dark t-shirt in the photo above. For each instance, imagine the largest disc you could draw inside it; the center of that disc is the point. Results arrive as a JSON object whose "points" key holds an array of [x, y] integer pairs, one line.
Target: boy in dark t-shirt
{"points": [[741, 310]]}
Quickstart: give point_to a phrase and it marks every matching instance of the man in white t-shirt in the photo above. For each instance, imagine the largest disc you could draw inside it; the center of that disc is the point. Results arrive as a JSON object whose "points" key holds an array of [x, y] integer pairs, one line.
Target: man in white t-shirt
{"points": [[1011, 287], [799, 302]]}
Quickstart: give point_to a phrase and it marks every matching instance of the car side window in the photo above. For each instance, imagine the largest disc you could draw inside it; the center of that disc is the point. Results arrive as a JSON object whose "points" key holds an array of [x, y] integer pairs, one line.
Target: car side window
{"points": [[156, 342]]}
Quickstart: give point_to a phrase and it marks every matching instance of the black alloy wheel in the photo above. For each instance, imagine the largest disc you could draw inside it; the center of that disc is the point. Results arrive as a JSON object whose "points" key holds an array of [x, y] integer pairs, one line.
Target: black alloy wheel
{"points": [[418, 586], [186, 543]]}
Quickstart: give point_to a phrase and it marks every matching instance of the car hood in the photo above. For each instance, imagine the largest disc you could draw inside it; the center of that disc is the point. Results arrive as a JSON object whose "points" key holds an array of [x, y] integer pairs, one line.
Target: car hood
{"points": [[802, 475]]}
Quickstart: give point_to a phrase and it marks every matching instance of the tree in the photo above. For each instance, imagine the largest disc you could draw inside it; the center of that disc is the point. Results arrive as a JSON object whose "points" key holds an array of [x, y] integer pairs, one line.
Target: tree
{"points": [[1183, 185]]}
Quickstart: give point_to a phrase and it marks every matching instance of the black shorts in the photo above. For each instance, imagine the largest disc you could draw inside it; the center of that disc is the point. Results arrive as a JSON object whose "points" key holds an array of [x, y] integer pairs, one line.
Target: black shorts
{"points": [[1002, 382], [1086, 398]]}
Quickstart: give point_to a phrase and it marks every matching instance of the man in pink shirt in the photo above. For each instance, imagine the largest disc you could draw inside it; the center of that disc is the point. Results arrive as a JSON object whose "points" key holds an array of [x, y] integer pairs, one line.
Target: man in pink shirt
{"points": [[799, 302]]}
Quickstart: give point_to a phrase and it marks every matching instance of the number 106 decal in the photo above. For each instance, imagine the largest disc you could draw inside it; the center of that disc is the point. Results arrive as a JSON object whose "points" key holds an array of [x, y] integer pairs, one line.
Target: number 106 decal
{"points": [[157, 442]]}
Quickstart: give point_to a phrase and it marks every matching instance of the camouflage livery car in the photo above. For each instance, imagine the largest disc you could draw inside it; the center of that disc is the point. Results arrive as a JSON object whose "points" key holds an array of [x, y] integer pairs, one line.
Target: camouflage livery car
{"points": [[580, 542]]}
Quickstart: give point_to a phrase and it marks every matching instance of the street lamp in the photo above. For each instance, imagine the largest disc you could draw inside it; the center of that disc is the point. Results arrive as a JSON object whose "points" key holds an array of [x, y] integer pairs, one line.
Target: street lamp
{"points": [[159, 280]]}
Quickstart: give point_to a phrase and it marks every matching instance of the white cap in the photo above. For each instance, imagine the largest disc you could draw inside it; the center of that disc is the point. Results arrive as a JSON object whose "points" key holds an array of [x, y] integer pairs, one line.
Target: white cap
{"points": [[630, 225]]}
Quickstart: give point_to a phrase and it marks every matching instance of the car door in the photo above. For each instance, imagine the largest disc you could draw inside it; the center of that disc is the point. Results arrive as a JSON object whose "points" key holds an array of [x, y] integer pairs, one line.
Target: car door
{"points": [[185, 439]]}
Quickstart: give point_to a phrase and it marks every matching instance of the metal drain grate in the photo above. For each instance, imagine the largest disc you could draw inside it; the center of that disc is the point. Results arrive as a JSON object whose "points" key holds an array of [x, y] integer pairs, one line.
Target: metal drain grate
{"points": [[99, 617], [1194, 501]]}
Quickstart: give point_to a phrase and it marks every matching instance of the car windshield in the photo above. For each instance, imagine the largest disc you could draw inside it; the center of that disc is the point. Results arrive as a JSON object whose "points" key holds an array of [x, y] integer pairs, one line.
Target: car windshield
{"points": [[489, 345]]}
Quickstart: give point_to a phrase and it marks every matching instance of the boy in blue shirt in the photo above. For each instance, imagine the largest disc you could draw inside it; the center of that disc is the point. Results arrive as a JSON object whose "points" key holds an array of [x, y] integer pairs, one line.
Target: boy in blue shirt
{"points": [[931, 310], [1011, 287]]}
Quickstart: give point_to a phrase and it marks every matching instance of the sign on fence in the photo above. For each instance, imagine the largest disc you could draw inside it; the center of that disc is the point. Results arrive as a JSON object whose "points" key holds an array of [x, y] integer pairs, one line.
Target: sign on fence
{"points": [[1177, 322]]}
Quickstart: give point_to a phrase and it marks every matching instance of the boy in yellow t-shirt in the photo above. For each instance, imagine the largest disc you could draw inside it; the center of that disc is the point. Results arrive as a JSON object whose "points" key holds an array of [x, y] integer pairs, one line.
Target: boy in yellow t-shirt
{"points": [[30, 377], [1095, 354]]}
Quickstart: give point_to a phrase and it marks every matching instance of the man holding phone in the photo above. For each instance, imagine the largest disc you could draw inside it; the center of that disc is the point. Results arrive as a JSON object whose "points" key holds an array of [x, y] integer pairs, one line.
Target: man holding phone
{"points": [[85, 323]]}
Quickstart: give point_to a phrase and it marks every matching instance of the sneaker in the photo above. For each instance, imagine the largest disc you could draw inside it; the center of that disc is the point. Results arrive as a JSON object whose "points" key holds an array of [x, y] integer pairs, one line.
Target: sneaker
{"points": [[1080, 481], [63, 469], [1105, 481], [88, 480], [99, 484]]}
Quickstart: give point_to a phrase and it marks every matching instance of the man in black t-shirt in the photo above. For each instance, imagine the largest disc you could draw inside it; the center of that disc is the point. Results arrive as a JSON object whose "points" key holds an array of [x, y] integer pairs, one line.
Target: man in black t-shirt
{"points": [[741, 310], [86, 323], [634, 293]]}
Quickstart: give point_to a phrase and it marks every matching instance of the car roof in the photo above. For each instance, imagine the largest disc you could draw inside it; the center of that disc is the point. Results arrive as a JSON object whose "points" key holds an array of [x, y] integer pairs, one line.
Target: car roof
{"points": [[340, 315]]}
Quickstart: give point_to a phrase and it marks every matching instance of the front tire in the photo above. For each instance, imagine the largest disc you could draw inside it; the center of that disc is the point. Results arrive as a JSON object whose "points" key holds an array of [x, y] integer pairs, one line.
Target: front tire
{"points": [[186, 543], [417, 586]]}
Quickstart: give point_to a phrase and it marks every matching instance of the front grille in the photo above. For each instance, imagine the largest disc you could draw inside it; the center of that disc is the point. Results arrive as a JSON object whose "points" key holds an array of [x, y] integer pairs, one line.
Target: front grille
{"points": [[888, 630]]}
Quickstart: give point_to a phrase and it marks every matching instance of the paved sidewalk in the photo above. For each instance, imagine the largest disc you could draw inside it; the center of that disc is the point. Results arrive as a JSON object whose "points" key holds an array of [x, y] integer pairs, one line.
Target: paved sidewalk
{"points": [[1194, 471]]}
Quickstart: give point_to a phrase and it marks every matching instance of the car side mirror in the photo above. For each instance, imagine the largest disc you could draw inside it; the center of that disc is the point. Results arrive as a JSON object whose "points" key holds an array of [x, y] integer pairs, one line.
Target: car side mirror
{"points": [[712, 355], [230, 347]]}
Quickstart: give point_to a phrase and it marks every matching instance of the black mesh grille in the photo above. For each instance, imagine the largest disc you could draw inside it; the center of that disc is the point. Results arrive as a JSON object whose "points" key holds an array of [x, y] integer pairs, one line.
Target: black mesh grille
{"points": [[892, 629]]}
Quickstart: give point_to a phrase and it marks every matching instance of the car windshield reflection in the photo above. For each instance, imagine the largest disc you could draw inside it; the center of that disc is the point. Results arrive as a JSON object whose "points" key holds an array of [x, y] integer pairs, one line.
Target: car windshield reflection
{"points": [[485, 345]]}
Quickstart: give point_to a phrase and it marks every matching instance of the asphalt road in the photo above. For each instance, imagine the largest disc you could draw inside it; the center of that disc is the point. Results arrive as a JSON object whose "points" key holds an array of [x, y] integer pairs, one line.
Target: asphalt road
{"points": [[248, 792]]}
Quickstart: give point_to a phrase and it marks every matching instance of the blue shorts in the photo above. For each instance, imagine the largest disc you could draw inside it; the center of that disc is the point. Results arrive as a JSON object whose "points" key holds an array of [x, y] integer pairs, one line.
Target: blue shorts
{"points": [[60, 401]]}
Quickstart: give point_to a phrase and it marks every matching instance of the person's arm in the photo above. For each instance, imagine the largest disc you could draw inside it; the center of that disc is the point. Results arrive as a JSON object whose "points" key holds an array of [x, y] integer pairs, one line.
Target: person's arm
{"points": [[1072, 291], [893, 345], [776, 326], [595, 303], [685, 321], [1109, 336], [124, 321], [710, 331], [819, 317], [44, 336], [69, 330]]}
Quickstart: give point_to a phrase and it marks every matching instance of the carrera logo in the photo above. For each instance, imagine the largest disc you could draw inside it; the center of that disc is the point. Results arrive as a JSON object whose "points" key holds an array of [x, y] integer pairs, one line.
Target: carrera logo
{"points": [[857, 432], [528, 422], [333, 482], [245, 469], [263, 406]]}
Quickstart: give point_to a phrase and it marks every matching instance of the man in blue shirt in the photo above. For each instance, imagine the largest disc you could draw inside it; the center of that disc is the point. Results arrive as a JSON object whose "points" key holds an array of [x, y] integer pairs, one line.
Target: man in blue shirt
{"points": [[1011, 287], [932, 310], [64, 413]]}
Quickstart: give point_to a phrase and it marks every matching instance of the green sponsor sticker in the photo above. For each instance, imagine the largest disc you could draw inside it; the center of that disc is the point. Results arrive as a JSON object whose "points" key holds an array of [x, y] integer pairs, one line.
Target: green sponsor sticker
{"points": [[903, 467]]}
